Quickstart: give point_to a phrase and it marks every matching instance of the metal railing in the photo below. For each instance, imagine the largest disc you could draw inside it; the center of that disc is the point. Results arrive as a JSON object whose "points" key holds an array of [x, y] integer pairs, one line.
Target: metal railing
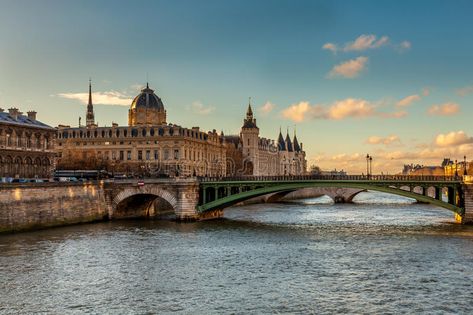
{"points": [[374, 178]]}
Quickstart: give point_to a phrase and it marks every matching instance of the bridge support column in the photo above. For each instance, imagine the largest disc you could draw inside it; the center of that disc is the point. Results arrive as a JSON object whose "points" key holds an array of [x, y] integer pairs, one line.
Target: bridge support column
{"points": [[187, 200], [467, 188]]}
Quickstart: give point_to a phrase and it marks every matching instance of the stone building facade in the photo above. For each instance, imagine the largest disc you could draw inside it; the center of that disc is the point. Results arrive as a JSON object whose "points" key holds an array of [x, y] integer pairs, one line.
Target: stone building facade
{"points": [[26, 145], [250, 154], [148, 145]]}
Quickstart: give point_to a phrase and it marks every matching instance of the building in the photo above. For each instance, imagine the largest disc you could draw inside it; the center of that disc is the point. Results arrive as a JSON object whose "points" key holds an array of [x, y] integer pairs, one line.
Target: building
{"points": [[26, 145], [250, 154], [147, 146]]}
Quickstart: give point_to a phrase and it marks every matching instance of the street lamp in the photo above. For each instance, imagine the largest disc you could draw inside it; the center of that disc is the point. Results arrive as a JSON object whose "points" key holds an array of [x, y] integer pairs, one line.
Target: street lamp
{"points": [[368, 165], [371, 165], [464, 166], [456, 168]]}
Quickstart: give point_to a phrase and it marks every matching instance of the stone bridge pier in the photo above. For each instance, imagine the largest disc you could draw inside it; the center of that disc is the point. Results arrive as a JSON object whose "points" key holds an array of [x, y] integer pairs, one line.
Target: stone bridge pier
{"points": [[153, 197], [467, 217]]}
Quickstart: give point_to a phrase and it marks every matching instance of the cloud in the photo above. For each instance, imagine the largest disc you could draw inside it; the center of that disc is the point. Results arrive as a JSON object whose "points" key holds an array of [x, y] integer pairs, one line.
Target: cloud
{"points": [[364, 42], [267, 108], [199, 108], [392, 139], [464, 91], [408, 100], [405, 45], [100, 98], [453, 138], [298, 112], [447, 109], [330, 46], [349, 69], [351, 107], [338, 110]]}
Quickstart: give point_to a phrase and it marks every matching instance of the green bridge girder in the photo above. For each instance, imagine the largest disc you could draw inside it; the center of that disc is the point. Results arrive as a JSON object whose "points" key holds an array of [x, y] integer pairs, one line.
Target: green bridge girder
{"points": [[219, 194]]}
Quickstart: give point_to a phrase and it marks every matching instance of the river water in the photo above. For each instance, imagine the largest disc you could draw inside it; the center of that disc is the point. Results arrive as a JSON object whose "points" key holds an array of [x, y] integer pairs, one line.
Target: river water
{"points": [[381, 255]]}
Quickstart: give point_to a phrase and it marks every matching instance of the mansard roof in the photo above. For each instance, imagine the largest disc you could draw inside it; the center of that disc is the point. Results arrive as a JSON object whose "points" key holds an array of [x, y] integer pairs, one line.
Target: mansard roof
{"points": [[22, 120]]}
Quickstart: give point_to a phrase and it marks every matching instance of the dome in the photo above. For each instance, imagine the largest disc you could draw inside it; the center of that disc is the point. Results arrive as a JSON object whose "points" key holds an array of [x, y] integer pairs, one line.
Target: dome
{"points": [[147, 99]]}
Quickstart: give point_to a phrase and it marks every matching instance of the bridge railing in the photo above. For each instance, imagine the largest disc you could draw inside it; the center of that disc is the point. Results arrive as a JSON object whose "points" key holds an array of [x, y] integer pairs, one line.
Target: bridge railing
{"points": [[374, 178]]}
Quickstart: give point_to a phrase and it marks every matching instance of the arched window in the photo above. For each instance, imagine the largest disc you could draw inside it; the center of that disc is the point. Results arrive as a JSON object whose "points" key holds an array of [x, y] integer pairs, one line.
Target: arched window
{"points": [[65, 134], [134, 132], [95, 134], [161, 131], [143, 132], [117, 133], [125, 133], [103, 133], [151, 132], [110, 133], [171, 131]]}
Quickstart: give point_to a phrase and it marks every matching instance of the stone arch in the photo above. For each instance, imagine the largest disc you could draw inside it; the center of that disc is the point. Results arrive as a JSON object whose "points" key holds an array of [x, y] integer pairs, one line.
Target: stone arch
{"points": [[150, 194]]}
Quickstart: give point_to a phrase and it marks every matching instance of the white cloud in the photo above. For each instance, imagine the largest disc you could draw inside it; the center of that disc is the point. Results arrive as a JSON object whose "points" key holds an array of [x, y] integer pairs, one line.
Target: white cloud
{"points": [[330, 46], [100, 98], [349, 69], [453, 138], [392, 139], [408, 100], [351, 107], [446, 109], [464, 91], [338, 110], [267, 108], [298, 112], [405, 45], [364, 42], [199, 108]]}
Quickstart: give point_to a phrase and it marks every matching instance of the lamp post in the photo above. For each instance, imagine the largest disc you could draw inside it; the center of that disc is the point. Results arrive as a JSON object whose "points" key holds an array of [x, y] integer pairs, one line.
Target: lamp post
{"points": [[464, 166], [456, 168], [368, 165], [371, 165]]}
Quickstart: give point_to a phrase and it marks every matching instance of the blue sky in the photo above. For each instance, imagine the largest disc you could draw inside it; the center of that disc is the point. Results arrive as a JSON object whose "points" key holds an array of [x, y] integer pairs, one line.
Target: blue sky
{"points": [[204, 58]]}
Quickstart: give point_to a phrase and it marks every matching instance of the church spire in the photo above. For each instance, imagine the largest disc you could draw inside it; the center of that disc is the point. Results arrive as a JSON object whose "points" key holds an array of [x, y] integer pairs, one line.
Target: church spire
{"points": [[249, 112], [89, 116]]}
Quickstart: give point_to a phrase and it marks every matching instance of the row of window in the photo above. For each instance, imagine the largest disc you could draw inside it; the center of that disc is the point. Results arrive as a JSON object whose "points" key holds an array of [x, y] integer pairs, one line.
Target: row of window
{"points": [[141, 155], [133, 133]]}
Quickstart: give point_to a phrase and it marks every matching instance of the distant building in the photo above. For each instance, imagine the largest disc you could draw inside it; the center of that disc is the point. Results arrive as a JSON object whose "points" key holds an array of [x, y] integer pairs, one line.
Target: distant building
{"points": [[333, 173], [26, 145], [250, 154], [148, 145]]}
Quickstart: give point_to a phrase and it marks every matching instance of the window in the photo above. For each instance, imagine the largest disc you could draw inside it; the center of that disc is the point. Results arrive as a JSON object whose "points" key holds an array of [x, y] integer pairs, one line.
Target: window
{"points": [[148, 153], [176, 154], [166, 154], [140, 155], [114, 155], [122, 156], [156, 154], [128, 155]]}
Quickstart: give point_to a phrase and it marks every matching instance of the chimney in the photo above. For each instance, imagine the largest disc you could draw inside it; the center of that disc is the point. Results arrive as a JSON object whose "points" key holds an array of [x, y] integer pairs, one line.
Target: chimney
{"points": [[13, 112], [32, 115]]}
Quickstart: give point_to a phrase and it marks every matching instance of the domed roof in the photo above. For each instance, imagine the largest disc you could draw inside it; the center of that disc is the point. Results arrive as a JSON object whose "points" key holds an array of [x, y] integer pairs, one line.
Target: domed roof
{"points": [[147, 99]]}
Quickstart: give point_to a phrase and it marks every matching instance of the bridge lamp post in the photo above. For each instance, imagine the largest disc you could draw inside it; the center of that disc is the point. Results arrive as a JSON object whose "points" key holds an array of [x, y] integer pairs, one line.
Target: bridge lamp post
{"points": [[464, 166], [371, 165], [456, 168], [368, 165]]}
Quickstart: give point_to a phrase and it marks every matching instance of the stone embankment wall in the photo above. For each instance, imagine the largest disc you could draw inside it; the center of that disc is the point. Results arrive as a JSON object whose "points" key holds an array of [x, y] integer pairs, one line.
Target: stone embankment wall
{"points": [[40, 205]]}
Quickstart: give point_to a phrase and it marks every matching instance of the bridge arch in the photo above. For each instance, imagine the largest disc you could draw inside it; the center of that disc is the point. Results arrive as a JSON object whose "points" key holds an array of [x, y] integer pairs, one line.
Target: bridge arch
{"points": [[142, 202], [282, 188]]}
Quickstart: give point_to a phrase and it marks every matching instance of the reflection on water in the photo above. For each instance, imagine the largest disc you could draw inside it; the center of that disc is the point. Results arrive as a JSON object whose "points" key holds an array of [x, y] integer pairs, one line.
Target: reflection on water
{"points": [[381, 255]]}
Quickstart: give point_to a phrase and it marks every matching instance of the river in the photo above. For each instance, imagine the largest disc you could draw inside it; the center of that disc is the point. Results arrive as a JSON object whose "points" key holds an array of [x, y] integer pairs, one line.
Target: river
{"points": [[380, 255]]}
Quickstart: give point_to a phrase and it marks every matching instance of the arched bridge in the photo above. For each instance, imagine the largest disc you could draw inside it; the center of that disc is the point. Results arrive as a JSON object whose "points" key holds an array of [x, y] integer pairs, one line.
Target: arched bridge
{"points": [[201, 198], [219, 193]]}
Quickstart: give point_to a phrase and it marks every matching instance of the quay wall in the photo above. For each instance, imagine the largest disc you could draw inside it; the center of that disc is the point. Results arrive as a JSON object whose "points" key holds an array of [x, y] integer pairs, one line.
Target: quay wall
{"points": [[39, 205]]}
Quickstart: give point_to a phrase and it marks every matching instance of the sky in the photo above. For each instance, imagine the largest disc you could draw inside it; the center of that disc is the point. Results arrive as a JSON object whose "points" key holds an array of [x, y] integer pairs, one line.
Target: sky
{"points": [[393, 79]]}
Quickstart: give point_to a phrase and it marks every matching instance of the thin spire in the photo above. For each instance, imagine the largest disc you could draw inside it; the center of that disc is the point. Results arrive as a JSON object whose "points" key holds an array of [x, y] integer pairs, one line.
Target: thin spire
{"points": [[90, 91]]}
